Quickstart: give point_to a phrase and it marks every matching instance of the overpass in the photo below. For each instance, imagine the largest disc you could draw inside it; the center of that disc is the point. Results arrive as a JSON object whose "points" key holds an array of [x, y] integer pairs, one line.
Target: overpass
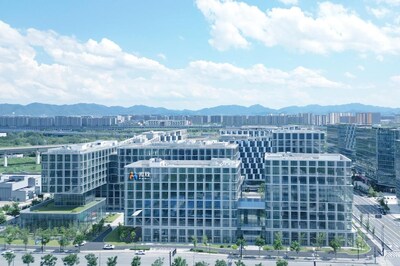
{"points": [[5, 151]]}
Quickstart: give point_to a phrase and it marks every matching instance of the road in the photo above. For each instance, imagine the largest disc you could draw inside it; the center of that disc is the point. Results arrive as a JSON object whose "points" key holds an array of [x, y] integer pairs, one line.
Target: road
{"points": [[387, 229], [125, 258]]}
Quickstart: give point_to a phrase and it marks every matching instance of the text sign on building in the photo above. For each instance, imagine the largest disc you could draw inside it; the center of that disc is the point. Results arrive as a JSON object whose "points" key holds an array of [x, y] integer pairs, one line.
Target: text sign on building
{"points": [[139, 175]]}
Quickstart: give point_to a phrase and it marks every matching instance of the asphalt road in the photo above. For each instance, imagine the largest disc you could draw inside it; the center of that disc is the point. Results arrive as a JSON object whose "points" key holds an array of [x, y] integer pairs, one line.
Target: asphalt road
{"points": [[125, 258], [386, 228]]}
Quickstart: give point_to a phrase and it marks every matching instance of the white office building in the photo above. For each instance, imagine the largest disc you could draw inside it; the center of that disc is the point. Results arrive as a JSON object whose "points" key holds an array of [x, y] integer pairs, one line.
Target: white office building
{"points": [[171, 201], [308, 194]]}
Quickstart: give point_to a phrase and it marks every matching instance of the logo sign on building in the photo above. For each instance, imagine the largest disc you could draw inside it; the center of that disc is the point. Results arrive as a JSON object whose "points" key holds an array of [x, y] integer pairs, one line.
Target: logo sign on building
{"points": [[139, 175]]}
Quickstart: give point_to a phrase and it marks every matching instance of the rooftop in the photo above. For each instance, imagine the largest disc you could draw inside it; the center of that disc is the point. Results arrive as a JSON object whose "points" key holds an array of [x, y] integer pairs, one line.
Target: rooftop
{"points": [[183, 144], [215, 162], [306, 156], [51, 208], [84, 147]]}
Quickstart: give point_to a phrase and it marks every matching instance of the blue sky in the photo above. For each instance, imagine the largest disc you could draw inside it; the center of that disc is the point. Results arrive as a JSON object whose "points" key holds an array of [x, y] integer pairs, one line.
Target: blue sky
{"points": [[194, 54]]}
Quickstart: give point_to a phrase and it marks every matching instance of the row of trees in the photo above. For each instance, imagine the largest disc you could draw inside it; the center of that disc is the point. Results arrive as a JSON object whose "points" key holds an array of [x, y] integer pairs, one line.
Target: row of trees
{"points": [[64, 236]]}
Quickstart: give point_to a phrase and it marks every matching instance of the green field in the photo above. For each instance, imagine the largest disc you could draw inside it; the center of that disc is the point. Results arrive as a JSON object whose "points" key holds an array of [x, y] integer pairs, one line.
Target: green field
{"points": [[20, 165], [111, 217]]}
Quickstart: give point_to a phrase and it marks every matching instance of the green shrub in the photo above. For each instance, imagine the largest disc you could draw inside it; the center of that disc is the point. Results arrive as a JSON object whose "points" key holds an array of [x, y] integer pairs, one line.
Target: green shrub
{"points": [[234, 246], [222, 246], [267, 248]]}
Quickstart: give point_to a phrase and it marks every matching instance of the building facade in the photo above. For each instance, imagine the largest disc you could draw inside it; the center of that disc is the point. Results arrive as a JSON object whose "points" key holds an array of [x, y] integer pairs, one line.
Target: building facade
{"points": [[172, 201], [308, 194]]}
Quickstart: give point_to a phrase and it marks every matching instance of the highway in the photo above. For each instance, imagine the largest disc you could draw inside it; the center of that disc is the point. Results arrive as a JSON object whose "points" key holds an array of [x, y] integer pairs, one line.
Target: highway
{"points": [[387, 229]]}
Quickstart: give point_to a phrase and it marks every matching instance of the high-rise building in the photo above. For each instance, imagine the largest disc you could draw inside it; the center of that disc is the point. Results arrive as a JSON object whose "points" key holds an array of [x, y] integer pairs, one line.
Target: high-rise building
{"points": [[171, 201], [308, 194]]}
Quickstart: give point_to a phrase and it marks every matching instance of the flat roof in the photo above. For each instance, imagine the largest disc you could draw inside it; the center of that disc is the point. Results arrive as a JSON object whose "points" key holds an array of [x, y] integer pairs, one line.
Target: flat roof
{"points": [[306, 156], [85, 147], [157, 163], [183, 144], [51, 208]]}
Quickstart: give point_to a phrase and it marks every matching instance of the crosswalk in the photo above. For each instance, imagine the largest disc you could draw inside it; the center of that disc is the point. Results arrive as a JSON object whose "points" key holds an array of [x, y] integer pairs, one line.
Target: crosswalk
{"points": [[393, 254]]}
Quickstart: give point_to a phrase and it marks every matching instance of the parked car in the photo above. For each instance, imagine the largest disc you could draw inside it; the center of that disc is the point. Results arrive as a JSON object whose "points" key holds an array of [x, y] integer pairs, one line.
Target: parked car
{"points": [[81, 244], [108, 246], [7, 251], [140, 252]]}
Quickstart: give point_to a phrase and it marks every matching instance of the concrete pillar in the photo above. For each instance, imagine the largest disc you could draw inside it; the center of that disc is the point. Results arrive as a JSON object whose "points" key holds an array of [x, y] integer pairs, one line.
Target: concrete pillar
{"points": [[38, 157], [5, 160]]}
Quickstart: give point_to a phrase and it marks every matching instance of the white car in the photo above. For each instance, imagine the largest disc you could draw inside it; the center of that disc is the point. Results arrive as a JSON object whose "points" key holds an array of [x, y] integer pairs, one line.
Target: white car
{"points": [[140, 252], [7, 251], [82, 244], [108, 246]]}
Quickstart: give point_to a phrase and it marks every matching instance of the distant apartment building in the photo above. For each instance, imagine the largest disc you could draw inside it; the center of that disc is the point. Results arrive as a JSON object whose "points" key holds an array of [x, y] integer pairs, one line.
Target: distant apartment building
{"points": [[167, 123], [308, 194], [171, 201]]}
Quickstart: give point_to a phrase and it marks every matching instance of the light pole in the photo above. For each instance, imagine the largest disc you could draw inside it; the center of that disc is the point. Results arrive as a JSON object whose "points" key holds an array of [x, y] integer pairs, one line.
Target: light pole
{"points": [[314, 257], [383, 240]]}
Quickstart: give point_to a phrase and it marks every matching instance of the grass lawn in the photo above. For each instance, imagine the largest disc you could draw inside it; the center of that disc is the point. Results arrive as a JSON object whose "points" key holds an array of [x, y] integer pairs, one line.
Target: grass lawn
{"points": [[19, 165], [111, 217], [52, 243], [112, 238], [65, 209]]}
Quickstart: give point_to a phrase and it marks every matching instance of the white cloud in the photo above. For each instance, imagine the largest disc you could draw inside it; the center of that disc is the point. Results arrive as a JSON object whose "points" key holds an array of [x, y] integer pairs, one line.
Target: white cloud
{"points": [[349, 75], [361, 67], [378, 12], [289, 2], [332, 29], [162, 56], [395, 79], [379, 58], [390, 2], [101, 72]]}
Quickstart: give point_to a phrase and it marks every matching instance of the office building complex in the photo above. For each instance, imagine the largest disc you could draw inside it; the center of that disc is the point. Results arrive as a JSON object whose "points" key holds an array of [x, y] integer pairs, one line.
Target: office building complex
{"points": [[181, 150], [341, 138], [171, 201], [254, 142], [72, 174], [308, 194], [375, 153]]}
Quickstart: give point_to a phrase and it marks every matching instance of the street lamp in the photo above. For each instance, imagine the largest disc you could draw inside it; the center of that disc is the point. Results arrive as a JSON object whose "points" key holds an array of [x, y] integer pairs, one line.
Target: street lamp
{"points": [[314, 257]]}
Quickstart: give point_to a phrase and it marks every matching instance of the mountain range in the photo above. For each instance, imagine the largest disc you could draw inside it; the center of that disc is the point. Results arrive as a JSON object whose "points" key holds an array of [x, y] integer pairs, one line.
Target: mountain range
{"points": [[41, 109]]}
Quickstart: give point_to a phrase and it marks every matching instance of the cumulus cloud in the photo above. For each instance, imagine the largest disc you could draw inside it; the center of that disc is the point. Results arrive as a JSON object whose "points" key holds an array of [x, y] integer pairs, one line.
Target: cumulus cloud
{"points": [[102, 72], [333, 28], [289, 2], [378, 12], [349, 75]]}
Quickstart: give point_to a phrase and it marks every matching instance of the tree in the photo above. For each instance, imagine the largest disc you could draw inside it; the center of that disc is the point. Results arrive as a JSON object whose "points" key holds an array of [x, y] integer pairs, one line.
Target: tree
{"points": [[361, 218], [259, 264], [320, 241], [79, 238], [71, 260], [221, 263], [359, 244], [205, 242], [3, 218], [63, 241], [260, 242], [261, 190], [9, 257], [91, 259], [179, 261], [10, 234], [158, 262], [201, 263], [241, 242], [335, 244], [239, 263], [112, 261], [295, 246], [14, 210], [281, 262], [194, 241], [24, 236], [48, 260], [278, 242], [28, 258], [135, 261], [132, 236], [45, 236]]}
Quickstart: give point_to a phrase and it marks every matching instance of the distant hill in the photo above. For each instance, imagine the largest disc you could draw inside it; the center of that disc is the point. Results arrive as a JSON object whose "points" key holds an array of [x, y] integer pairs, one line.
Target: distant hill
{"points": [[40, 109]]}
